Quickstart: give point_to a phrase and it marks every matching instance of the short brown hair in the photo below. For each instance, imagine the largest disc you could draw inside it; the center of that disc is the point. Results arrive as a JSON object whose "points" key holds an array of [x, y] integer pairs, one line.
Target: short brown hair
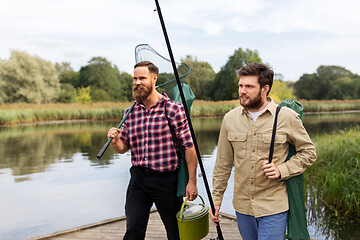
{"points": [[265, 74], [152, 68]]}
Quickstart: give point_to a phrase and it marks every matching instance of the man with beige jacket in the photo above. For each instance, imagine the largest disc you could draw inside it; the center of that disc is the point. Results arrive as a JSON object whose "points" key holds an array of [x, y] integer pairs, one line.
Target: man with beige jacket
{"points": [[260, 197]]}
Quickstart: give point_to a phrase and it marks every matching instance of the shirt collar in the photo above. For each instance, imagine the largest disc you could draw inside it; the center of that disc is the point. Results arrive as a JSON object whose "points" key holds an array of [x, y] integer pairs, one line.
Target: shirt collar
{"points": [[272, 106]]}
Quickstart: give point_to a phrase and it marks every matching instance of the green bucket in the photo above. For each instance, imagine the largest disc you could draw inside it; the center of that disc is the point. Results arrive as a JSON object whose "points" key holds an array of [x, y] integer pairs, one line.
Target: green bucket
{"points": [[193, 221]]}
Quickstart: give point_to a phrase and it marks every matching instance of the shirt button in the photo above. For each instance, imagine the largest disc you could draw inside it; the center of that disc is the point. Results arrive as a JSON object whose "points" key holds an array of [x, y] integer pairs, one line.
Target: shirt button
{"points": [[253, 150], [144, 158]]}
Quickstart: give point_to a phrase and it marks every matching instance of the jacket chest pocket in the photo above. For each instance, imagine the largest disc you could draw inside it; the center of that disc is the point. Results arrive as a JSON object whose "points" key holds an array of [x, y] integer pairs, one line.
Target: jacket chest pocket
{"points": [[239, 144], [280, 139]]}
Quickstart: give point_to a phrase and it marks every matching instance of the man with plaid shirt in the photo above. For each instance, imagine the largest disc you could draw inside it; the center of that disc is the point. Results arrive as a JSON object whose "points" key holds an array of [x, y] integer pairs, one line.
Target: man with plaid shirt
{"points": [[153, 155]]}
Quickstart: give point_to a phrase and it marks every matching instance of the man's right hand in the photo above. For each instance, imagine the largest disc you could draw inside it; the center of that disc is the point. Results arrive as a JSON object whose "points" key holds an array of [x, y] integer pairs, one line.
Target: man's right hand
{"points": [[114, 133], [215, 217], [118, 145]]}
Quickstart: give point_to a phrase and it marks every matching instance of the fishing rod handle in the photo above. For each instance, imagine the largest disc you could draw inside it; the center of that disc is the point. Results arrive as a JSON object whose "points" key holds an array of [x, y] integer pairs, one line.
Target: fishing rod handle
{"points": [[103, 149]]}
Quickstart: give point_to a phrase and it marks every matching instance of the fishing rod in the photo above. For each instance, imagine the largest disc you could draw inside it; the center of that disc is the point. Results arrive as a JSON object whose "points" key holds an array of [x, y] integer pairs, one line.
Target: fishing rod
{"points": [[106, 145], [220, 236]]}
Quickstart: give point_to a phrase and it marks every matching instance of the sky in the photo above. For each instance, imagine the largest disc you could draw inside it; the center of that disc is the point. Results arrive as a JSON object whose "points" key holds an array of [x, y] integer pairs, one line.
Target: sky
{"points": [[293, 36]]}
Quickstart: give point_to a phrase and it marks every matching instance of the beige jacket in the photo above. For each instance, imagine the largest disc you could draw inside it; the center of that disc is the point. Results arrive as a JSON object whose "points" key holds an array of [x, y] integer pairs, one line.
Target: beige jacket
{"points": [[245, 145]]}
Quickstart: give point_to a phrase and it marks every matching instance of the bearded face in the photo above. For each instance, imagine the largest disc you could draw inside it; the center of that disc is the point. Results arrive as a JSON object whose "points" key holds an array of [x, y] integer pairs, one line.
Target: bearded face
{"points": [[251, 103], [251, 95], [141, 91], [143, 83]]}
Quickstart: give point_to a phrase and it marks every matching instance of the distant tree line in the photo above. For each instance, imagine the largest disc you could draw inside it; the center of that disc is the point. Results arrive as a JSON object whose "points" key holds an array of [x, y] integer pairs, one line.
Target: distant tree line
{"points": [[329, 82], [30, 79]]}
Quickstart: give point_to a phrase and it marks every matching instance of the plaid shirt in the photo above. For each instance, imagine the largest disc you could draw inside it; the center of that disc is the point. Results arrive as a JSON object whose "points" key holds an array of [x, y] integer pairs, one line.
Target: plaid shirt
{"points": [[147, 134]]}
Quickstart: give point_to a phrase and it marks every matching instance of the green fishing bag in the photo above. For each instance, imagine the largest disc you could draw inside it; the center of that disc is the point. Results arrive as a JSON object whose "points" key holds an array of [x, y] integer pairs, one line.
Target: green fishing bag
{"points": [[296, 224], [183, 174]]}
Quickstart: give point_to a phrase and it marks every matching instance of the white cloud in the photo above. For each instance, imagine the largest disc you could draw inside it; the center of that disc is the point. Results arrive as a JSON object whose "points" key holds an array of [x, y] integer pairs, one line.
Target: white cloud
{"points": [[294, 36]]}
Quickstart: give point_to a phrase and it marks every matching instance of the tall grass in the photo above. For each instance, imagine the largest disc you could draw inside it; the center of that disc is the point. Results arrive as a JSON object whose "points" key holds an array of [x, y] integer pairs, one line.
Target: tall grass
{"points": [[202, 108], [334, 179], [330, 105], [25, 113]]}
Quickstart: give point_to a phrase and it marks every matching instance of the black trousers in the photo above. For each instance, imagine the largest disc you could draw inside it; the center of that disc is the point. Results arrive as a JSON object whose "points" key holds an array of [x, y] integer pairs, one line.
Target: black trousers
{"points": [[146, 187]]}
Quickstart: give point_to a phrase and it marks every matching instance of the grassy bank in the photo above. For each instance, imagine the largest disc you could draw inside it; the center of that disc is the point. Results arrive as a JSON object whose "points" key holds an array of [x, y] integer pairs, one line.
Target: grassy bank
{"points": [[334, 179], [27, 113], [330, 105]]}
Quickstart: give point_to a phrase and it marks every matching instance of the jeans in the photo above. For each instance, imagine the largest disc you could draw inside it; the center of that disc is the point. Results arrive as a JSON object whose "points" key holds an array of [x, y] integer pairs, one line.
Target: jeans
{"points": [[146, 187], [272, 227]]}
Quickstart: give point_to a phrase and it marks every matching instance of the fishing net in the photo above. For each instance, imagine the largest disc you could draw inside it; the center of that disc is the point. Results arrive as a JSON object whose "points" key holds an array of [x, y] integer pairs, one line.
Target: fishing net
{"points": [[167, 83], [166, 80]]}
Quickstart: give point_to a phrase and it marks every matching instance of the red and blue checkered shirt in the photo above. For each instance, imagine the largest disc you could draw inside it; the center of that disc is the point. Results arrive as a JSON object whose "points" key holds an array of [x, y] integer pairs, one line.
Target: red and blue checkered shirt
{"points": [[147, 134]]}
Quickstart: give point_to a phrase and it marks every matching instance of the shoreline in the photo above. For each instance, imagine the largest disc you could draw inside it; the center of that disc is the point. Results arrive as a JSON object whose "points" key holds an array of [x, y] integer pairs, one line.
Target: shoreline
{"points": [[85, 120]]}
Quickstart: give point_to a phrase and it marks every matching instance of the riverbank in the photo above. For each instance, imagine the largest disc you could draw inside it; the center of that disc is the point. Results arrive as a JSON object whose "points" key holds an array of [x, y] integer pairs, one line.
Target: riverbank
{"points": [[11, 114], [334, 178]]}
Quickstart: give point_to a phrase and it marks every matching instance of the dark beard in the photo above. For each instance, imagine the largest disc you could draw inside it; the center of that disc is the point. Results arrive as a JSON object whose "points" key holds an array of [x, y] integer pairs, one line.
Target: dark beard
{"points": [[254, 103], [141, 96]]}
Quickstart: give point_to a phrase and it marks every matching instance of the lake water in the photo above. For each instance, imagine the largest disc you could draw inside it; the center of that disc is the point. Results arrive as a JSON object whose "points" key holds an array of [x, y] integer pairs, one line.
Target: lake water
{"points": [[51, 180]]}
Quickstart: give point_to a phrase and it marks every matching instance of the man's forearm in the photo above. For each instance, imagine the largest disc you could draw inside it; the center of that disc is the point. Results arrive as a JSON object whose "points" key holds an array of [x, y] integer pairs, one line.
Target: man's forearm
{"points": [[119, 146], [191, 161]]}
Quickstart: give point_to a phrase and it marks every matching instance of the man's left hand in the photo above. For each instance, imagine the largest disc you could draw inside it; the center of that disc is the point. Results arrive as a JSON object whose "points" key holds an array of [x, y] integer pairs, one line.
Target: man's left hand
{"points": [[191, 191], [270, 170]]}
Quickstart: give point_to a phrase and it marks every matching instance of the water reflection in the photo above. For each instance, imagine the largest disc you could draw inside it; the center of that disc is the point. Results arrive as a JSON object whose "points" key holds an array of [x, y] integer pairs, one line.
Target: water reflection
{"points": [[52, 179], [326, 123]]}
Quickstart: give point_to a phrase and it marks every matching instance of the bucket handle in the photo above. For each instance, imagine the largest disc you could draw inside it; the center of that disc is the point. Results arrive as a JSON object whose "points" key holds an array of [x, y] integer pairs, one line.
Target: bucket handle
{"points": [[183, 205]]}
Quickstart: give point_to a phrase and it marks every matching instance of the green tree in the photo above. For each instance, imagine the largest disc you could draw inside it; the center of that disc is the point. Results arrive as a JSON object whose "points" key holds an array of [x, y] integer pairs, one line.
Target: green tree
{"points": [[29, 79], [225, 85], [100, 74], [200, 78], [67, 93], [329, 82], [344, 88], [2, 84], [280, 91], [126, 83], [67, 74], [307, 87], [82, 95]]}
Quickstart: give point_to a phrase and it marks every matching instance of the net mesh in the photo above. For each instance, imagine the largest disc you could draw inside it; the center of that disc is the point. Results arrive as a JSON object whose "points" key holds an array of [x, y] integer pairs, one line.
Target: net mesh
{"points": [[166, 79]]}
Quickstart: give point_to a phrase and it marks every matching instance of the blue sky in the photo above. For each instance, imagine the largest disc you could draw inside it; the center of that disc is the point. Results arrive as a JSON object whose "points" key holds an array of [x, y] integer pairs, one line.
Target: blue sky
{"points": [[293, 36]]}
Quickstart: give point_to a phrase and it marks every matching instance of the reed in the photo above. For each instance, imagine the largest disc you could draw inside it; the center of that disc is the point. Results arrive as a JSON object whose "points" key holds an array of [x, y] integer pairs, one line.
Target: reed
{"points": [[202, 108], [330, 105], [26, 113], [334, 178]]}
